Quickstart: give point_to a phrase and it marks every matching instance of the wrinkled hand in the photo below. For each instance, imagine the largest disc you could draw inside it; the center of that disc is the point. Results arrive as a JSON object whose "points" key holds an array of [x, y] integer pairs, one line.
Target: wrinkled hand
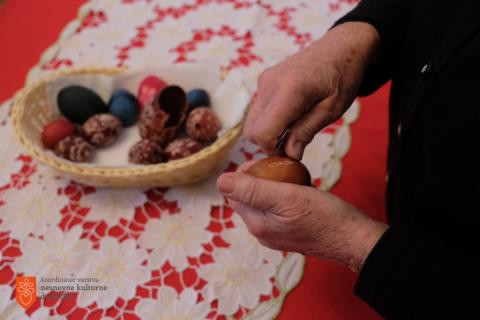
{"points": [[295, 218], [311, 89]]}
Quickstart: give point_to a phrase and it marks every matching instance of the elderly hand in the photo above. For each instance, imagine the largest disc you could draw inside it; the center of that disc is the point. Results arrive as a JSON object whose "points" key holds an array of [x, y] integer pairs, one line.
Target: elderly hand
{"points": [[301, 219], [311, 89]]}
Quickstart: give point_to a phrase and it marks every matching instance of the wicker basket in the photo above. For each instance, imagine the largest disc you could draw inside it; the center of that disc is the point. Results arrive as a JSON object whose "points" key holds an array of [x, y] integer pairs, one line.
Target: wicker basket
{"points": [[30, 114]]}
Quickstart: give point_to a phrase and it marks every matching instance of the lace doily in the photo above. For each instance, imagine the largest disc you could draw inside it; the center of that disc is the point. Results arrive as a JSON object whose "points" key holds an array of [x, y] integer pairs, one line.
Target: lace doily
{"points": [[177, 253]]}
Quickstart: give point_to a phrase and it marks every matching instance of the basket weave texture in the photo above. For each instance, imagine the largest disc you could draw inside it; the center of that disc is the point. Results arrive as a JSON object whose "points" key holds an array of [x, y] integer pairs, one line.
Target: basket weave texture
{"points": [[30, 114]]}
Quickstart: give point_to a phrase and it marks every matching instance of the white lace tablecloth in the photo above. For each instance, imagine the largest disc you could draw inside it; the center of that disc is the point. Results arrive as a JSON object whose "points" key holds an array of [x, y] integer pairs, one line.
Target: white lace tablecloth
{"points": [[178, 253]]}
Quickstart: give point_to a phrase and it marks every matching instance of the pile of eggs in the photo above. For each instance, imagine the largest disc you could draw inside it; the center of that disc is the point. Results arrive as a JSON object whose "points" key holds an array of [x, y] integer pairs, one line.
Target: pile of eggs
{"points": [[172, 124]]}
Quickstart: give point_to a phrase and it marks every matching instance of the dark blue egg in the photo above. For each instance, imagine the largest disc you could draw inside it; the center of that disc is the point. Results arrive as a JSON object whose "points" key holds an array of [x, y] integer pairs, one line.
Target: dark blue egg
{"points": [[122, 92], [198, 98], [78, 103], [124, 106]]}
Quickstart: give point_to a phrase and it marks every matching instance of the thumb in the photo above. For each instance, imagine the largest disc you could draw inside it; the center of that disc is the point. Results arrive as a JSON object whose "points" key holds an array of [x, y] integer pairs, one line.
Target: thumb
{"points": [[256, 193], [304, 129]]}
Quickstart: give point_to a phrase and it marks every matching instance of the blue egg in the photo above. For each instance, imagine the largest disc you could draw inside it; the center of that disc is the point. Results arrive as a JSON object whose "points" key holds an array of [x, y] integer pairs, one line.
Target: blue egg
{"points": [[124, 106], [198, 98], [121, 92]]}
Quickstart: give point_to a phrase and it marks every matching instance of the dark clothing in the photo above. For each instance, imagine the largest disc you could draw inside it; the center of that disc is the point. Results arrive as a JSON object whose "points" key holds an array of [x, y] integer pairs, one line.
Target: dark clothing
{"points": [[427, 265]]}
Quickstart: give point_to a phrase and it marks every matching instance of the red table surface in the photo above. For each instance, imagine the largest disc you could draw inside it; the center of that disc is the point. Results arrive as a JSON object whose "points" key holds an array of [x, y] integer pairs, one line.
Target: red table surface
{"points": [[28, 27]]}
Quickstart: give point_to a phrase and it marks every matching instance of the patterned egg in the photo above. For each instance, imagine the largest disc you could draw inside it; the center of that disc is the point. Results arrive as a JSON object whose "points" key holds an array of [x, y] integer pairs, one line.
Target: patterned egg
{"points": [[152, 122], [162, 119], [124, 106], [78, 103], [198, 98], [203, 125], [182, 147], [148, 89], [55, 131], [102, 129], [146, 152], [74, 148]]}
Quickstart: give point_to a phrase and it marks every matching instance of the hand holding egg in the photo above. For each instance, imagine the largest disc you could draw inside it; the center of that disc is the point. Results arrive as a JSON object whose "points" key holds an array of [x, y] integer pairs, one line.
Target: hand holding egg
{"points": [[298, 218]]}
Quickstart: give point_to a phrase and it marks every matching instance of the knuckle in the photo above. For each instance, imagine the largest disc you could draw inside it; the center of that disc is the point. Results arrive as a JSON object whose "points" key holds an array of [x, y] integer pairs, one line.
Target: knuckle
{"points": [[260, 138], [250, 194], [304, 133], [290, 84]]}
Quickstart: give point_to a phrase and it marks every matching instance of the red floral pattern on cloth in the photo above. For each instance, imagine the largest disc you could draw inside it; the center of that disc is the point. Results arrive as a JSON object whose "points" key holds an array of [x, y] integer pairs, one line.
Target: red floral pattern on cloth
{"points": [[162, 252]]}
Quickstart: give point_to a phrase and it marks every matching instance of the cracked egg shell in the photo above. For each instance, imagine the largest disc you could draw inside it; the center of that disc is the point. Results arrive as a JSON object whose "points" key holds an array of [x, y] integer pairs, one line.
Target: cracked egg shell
{"points": [[281, 169], [152, 122], [161, 120]]}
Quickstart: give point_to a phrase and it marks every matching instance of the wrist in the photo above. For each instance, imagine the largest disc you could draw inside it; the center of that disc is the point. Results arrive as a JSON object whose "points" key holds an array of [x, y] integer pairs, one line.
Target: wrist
{"points": [[357, 37], [362, 239]]}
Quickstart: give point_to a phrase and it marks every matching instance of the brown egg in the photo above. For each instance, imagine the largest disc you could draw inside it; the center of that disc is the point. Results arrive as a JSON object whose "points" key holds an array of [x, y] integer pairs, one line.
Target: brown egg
{"points": [[281, 169]]}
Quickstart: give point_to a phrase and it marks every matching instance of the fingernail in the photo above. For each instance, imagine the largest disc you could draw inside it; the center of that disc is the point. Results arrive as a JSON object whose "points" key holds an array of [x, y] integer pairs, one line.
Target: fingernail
{"points": [[226, 183]]}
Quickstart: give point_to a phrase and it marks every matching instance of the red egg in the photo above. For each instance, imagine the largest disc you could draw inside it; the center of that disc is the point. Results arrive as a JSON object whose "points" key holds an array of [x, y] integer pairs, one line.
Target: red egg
{"points": [[148, 89], [55, 131]]}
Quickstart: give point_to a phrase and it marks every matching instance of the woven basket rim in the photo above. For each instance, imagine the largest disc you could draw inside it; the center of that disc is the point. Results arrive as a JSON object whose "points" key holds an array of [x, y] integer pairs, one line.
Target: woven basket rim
{"points": [[89, 170]]}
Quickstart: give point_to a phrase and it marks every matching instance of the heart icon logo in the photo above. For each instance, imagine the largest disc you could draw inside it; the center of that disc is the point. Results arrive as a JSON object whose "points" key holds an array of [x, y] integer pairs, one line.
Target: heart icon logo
{"points": [[26, 291], [26, 298]]}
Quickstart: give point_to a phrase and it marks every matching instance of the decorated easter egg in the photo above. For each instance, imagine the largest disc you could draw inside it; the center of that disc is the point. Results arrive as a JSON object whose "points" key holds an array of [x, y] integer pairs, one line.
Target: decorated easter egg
{"points": [[78, 103], [146, 152], [182, 147], [55, 131], [152, 123], [281, 169], [162, 119], [149, 89], [102, 130], [198, 98], [203, 125], [74, 148], [124, 106]]}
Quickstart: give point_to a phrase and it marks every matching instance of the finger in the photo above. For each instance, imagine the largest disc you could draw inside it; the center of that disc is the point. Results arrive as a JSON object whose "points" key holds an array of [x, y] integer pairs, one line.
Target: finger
{"points": [[259, 224], [261, 98], [304, 129], [284, 107], [246, 165], [255, 220], [257, 193]]}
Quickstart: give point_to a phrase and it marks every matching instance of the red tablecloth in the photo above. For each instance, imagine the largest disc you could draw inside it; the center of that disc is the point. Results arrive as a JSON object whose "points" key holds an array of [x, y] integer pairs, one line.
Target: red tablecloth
{"points": [[27, 27]]}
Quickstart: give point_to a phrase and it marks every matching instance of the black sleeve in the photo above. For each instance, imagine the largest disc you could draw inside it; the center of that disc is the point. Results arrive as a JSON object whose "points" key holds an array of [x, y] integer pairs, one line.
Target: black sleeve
{"points": [[411, 274], [391, 19]]}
